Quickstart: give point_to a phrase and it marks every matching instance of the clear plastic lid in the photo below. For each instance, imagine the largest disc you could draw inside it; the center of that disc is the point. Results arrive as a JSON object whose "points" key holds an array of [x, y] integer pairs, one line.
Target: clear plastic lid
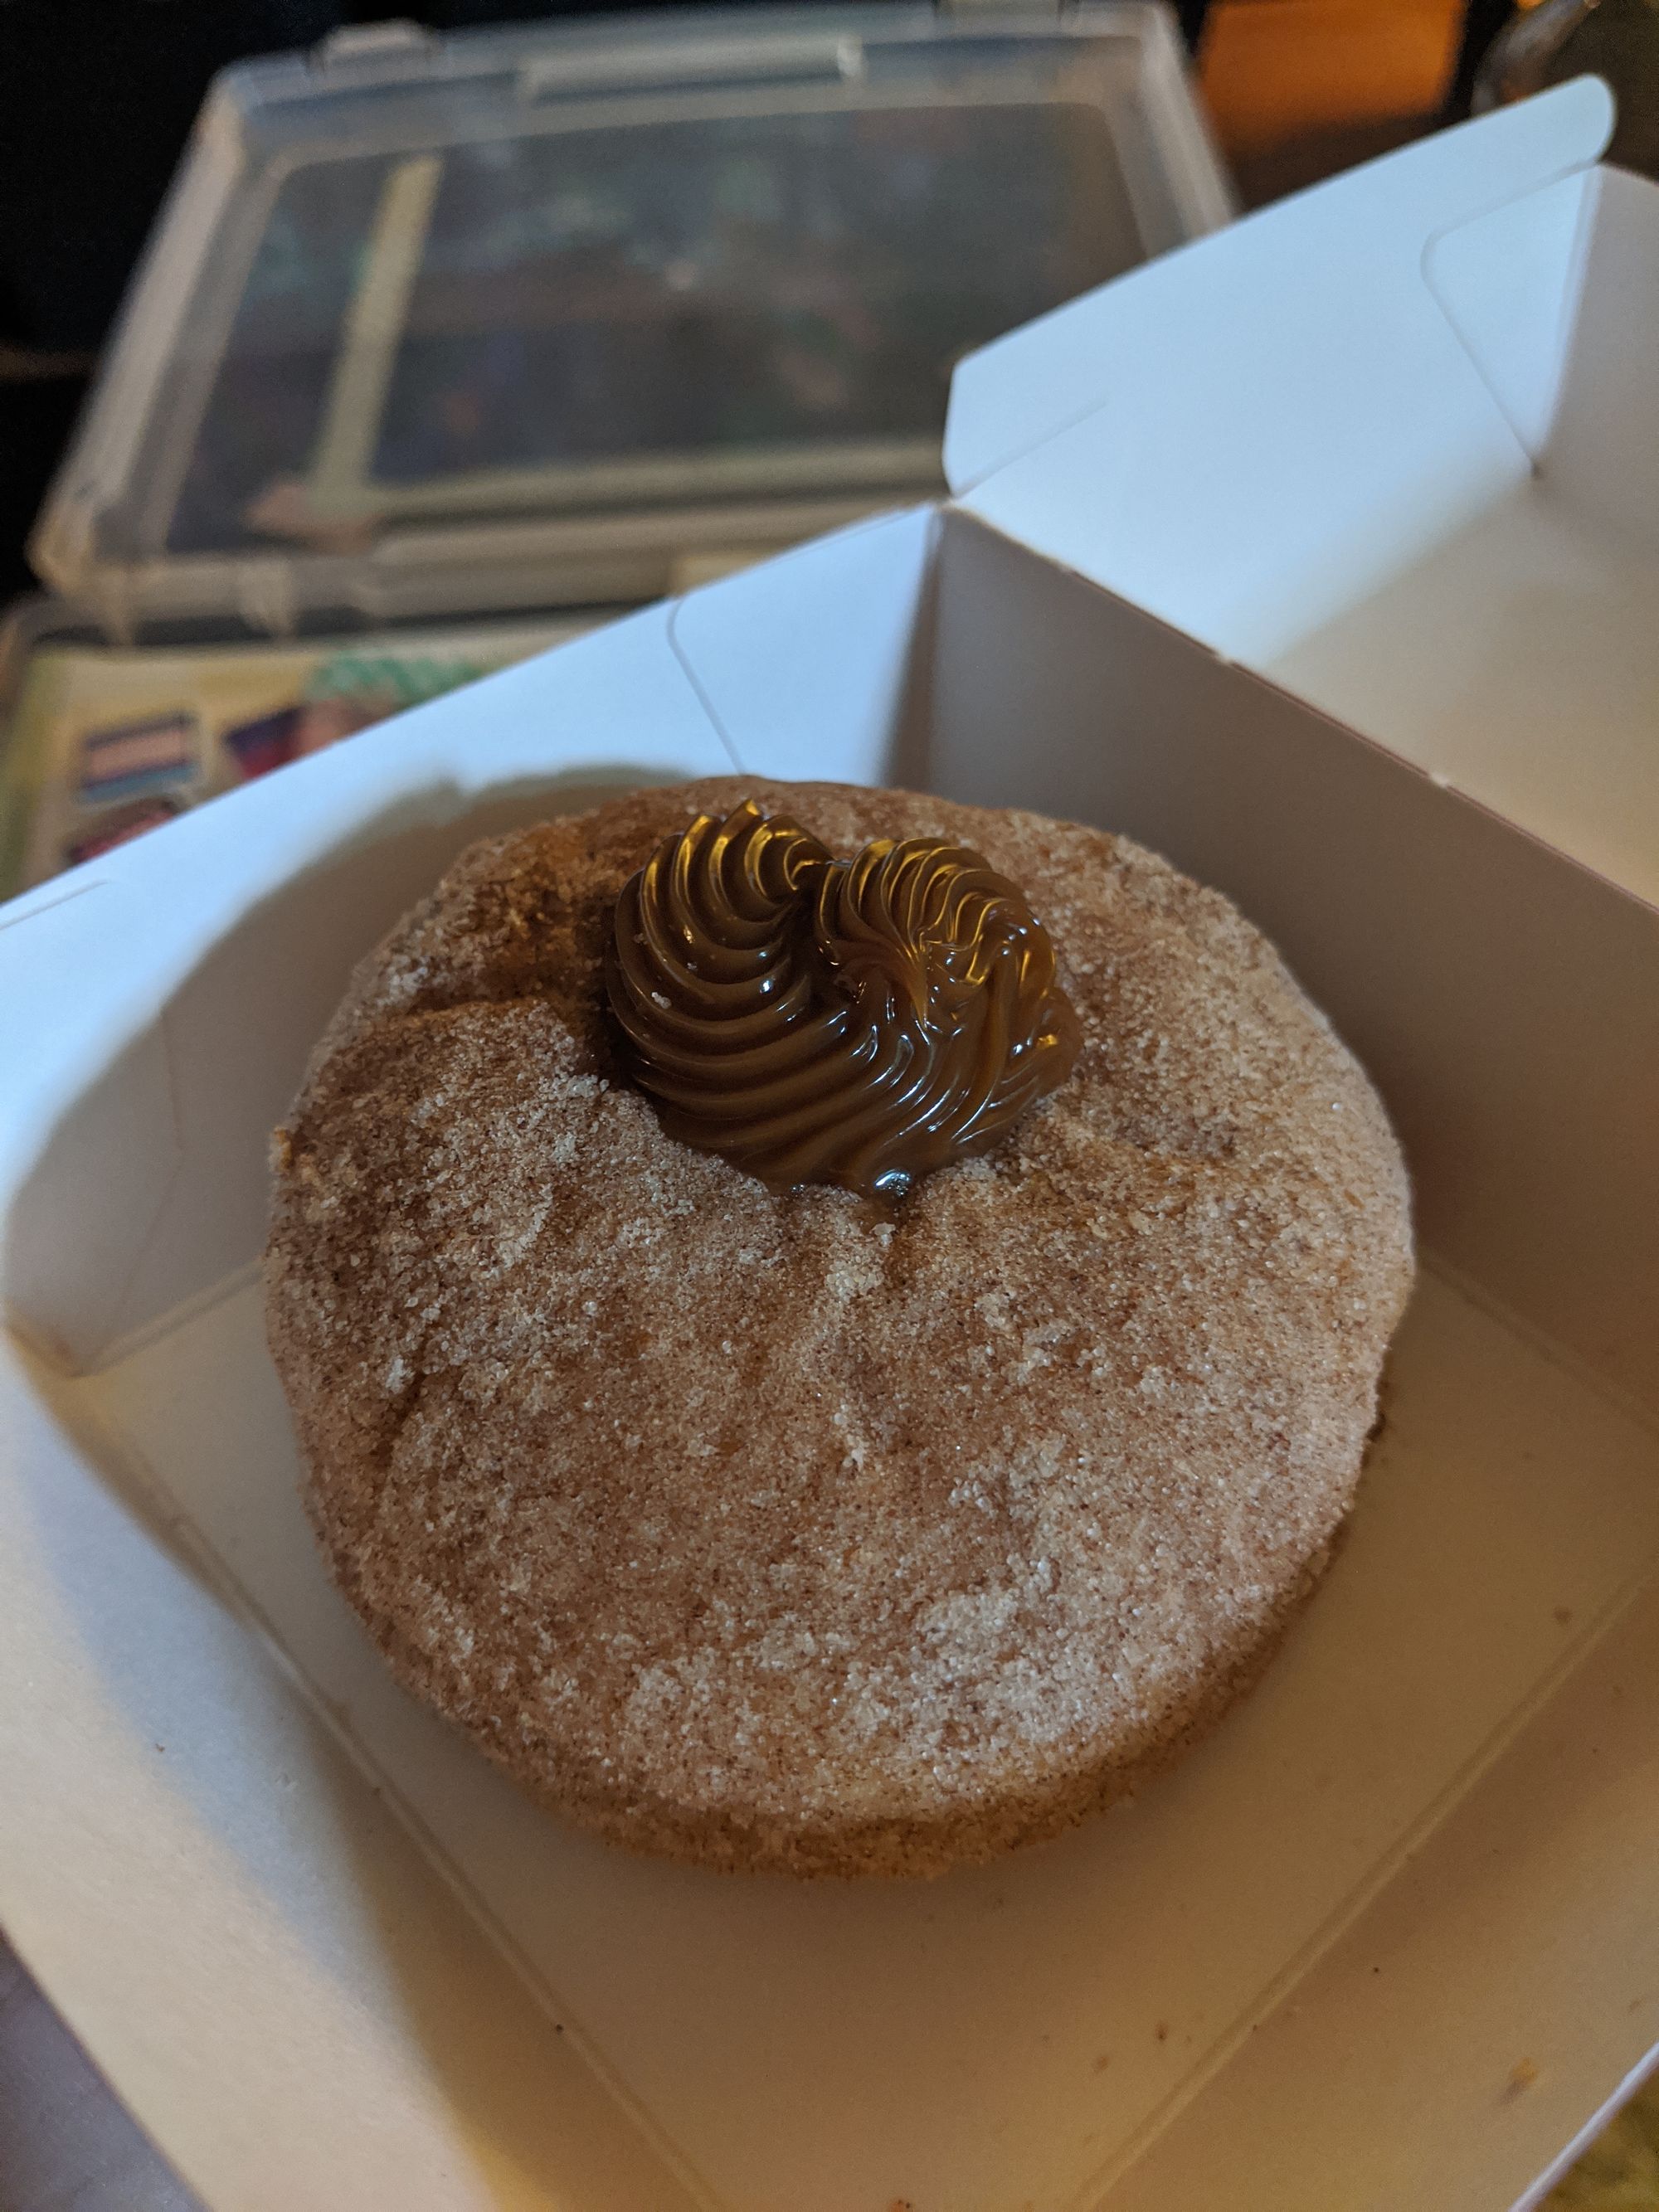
{"points": [[538, 316]]}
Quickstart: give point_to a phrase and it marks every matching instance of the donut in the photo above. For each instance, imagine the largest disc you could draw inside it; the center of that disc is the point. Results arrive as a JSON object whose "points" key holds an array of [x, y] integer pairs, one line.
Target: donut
{"points": [[835, 1506]]}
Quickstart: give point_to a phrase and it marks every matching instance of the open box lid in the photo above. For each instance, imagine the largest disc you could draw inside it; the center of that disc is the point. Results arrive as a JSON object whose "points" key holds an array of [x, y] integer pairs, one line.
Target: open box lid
{"points": [[1234, 412], [1389, 444], [559, 314]]}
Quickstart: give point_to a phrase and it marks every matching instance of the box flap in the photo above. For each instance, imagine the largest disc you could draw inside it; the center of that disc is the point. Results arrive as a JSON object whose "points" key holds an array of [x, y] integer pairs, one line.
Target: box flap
{"points": [[804, 664], [1354, 416], [1601, 457], [1508, 282]]}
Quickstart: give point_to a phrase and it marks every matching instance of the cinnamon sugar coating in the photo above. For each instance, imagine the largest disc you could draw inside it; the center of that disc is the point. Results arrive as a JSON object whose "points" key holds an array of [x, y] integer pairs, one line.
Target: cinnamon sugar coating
{"points": [[791, 1531]]}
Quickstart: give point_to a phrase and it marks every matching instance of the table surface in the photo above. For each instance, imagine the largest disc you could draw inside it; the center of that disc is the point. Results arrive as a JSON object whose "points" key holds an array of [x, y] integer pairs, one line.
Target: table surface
{"points": [[66, 2145]]}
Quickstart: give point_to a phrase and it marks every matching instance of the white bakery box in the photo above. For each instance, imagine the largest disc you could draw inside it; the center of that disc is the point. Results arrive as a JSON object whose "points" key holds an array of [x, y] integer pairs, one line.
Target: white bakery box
{"points": [[1390, 1939]]}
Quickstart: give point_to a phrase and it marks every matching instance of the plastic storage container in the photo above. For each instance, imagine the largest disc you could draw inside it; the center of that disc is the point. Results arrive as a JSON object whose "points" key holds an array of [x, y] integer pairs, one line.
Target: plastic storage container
{"points": [[538, 317], [544, 322]]}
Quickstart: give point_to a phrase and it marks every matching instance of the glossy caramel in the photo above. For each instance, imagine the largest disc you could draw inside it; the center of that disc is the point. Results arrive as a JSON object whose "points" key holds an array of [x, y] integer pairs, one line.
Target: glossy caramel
{"points": [[854, 1022]]}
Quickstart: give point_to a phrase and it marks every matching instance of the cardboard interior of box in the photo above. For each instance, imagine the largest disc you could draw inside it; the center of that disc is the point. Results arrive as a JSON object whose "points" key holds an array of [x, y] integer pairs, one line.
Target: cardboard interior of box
{"points": [[1392, 446], [1391, 1921]]}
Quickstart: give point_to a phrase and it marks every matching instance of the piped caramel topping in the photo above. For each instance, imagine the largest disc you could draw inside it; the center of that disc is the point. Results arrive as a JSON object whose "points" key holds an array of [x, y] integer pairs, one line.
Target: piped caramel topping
{"points": [[855, 1022]]}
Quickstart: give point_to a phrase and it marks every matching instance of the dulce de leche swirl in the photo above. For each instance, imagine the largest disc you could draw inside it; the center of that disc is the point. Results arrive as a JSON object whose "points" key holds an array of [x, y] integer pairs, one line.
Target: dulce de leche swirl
{"points": [[815, 1020]]}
